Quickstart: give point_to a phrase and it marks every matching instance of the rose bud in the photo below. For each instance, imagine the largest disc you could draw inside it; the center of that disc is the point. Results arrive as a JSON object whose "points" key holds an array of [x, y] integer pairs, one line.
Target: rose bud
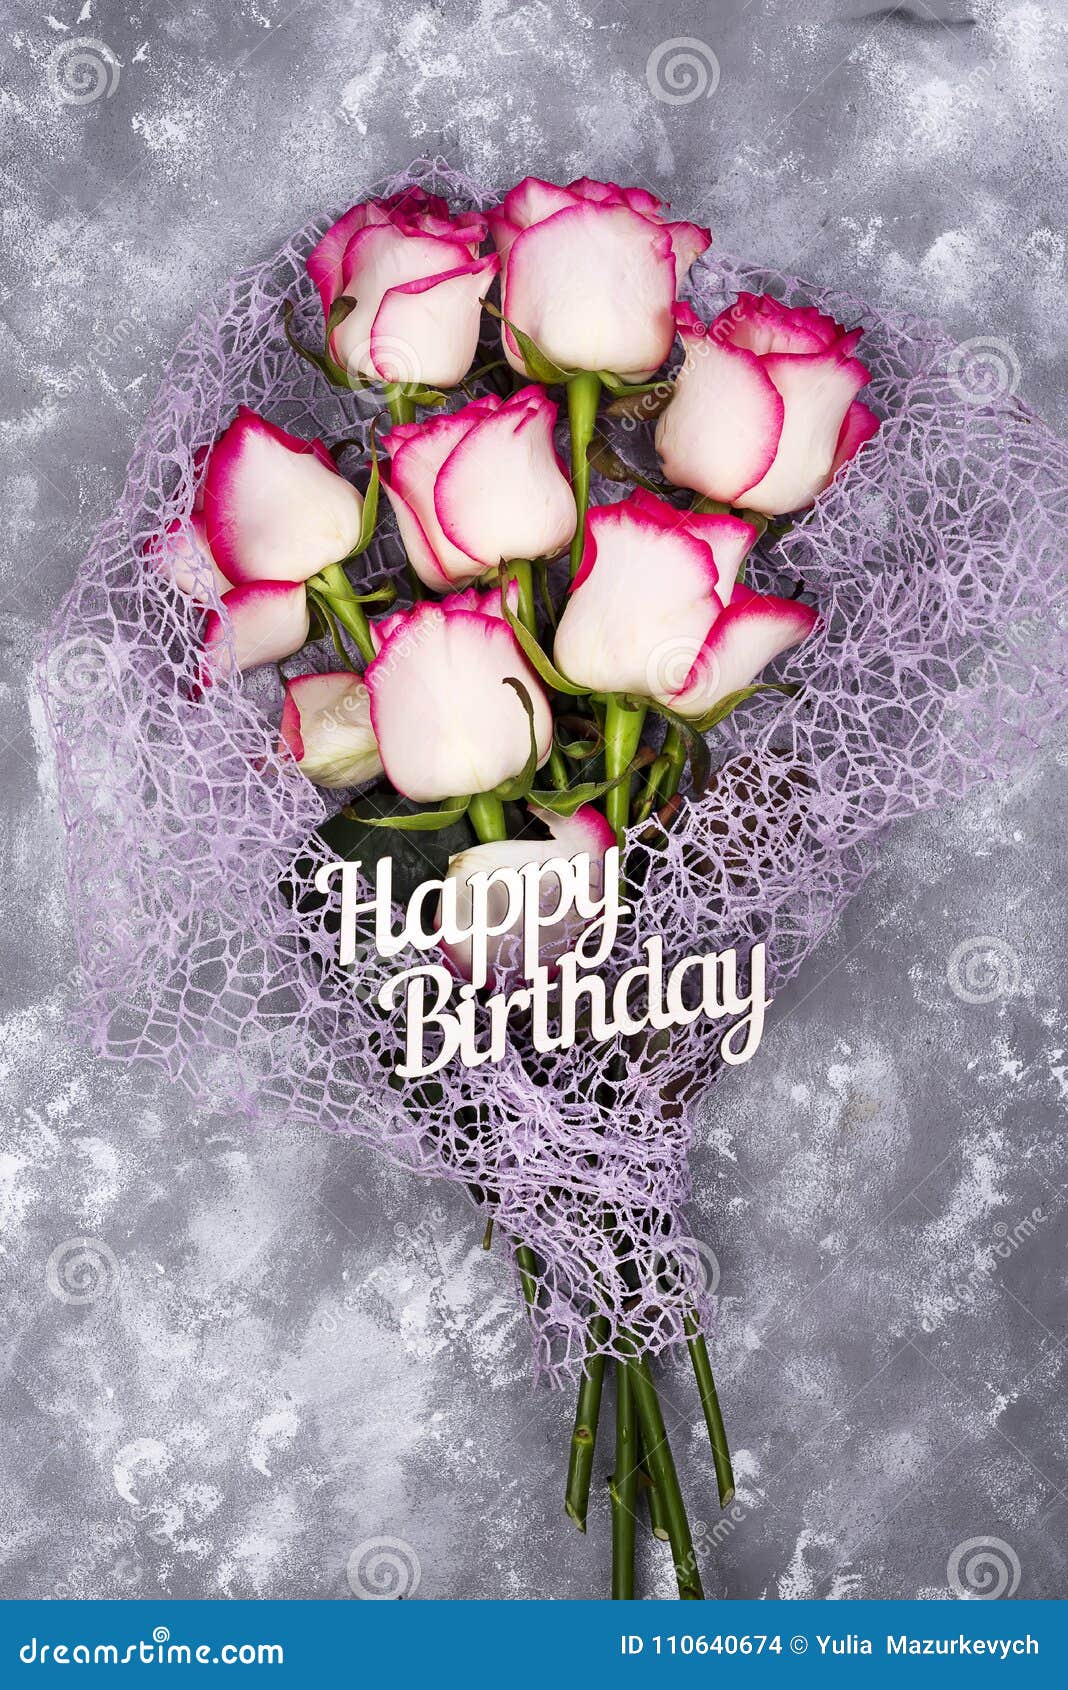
{"points": [[764, 410], [264, 621], [585, 833], [276, 507], [447, 723], [591, 273], [326, 729], [182, 554], [480, 487], [418, 283], [654, 610]]}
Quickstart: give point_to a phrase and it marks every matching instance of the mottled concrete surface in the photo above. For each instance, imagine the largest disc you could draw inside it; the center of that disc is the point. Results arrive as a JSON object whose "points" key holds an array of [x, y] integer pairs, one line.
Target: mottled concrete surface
{"points": [[288, 1349]]}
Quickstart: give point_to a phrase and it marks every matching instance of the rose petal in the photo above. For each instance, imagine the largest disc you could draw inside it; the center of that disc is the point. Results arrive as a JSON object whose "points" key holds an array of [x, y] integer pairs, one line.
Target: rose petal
{"points": [[377, 258], [858, 426], [266, 621], [641, 604], [500, 493], [754, 629], [326, 729], [817, 389], [446, 723], [594, 287], [427, 330], [721, 428], [586, 833], [182, 554], [273, 509]]}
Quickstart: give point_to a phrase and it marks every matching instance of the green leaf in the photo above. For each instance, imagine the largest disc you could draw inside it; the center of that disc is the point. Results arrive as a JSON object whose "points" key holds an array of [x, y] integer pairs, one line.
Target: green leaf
{"points": [[588, 791], [344, 305], [416, 857], [700, 761], [520, 784], [539, 365], [544, 666], [719, 712], [644, 401], [370, 498], [612, 467], [417, 821], [326, 616]]}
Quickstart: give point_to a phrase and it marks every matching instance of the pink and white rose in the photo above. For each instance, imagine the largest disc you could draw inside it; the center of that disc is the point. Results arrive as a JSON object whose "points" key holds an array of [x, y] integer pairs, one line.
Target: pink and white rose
{"points": [[480, 487], [655, 609], [276, 507], [326, 729], [586, 833], [447, 723], [764, 411], [591, 273], [418, 282]]}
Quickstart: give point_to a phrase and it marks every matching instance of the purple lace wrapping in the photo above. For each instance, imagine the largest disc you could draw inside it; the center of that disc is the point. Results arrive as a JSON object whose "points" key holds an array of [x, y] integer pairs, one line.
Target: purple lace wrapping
{"points": [[936, 559]]}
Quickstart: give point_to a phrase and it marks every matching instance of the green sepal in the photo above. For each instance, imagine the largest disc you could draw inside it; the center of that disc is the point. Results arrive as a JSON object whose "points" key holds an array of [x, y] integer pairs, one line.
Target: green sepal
{"points": [[419, 821], [519, 785], [532, 650], [610, 465], [719, 712], [370, 498], [540, 366], [321, 606], [644, 399], [587, 791], [700, 761], [324, 363]]}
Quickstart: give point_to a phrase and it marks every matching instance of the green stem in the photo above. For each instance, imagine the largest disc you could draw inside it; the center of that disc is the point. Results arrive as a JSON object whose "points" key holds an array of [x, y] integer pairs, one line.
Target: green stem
{"points": [[527, 1263], [558, 770], [486, 815], [674, 749], [583, 397], [662, 1470], [522, 572], [657, 1523], [717, 1435], [487, 1236], [622, 736], [624, 1489], [401, 407], [336, 588], [587, 1414]]}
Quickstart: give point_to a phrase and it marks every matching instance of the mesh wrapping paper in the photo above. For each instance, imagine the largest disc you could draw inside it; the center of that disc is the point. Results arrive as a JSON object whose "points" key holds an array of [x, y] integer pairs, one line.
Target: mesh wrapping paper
{"points": [[936, 562]]}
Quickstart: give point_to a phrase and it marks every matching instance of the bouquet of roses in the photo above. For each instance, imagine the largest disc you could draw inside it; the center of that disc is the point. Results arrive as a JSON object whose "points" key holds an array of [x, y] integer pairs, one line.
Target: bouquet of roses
{"points": [[513, 721]]}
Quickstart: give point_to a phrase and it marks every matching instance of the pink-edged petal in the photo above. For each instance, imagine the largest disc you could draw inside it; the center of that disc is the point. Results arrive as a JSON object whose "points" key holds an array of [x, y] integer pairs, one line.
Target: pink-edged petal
{"points": [[688, 242], [446, 722], [760, 323], [409, 485], [500, 493], [326, 729], [858, 426], [273, 509], [262, 622], [200, 464], [379, 257], [585, 834], [721, 429], [532, 201], [427, 330], [182, 554], [594, 287], [325, 259], [817, 389], [641, 604], [754, 629], [731, 540]]}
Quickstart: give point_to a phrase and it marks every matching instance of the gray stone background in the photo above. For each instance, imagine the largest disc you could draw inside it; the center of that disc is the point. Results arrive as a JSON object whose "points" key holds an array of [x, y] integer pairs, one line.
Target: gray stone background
{"points": [[288, 1349]]}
